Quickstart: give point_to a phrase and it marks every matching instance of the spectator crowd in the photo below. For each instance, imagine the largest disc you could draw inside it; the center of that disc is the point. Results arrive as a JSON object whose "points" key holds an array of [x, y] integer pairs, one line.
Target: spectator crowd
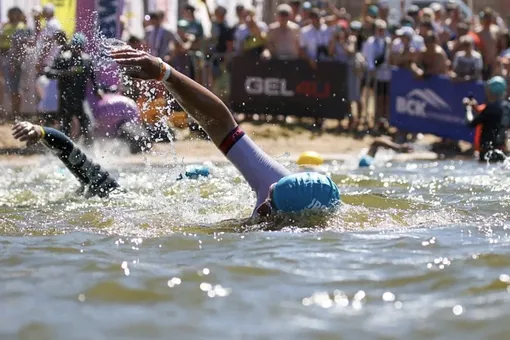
{"points": [[435, 40]]}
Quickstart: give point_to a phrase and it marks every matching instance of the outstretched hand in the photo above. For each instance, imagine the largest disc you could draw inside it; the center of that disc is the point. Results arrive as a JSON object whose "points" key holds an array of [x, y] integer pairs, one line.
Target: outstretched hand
{"points": [[406, 148], [137, 64], [27, 132]]}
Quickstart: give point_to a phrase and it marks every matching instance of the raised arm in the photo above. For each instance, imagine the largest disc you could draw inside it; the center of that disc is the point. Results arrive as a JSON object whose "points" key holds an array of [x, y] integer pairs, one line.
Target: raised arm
{"points": [[96, 180], [257, 167], [387, 144], [209, 111]]}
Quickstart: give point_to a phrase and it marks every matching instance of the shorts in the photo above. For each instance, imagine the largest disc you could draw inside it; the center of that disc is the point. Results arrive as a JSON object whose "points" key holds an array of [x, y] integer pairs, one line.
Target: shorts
{"points": [[383, 88], [365, 83], [487, 72], [12, 75]]}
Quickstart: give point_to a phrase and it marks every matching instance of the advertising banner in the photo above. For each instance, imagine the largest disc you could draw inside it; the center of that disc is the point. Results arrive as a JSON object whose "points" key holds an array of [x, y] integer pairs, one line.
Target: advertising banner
{"points": [[432, 106], [291, 87], [65, 12]]}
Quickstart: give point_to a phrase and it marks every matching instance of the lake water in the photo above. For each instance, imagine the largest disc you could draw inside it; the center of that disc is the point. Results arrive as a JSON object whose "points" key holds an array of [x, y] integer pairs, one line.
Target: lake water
{"points": [[420, 250]]}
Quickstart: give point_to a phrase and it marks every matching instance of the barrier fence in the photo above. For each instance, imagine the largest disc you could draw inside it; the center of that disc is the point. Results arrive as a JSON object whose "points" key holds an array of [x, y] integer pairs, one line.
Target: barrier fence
{"points": [[288, 87], [433, 105], [291, 87]]}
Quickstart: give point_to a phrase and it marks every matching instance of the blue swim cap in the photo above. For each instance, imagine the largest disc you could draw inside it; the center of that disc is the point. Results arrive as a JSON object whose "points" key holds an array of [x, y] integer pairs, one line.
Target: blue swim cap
{"points": [[497, 86], [195, 171], [373, 11], [366, 161], [79, 39], [306, 190]]}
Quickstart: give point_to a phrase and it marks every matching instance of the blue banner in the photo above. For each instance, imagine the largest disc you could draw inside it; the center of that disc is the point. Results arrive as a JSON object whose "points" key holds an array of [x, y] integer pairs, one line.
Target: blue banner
{"points": [[433, 105]]}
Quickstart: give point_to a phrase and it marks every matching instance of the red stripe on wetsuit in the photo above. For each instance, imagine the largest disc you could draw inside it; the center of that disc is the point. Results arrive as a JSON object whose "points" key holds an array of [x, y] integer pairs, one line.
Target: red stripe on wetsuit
{"points": [[232, 138]]}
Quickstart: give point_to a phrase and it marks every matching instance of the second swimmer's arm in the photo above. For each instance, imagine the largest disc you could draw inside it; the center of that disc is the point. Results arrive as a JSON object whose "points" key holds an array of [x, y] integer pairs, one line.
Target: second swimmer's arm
{"points": [[88, 173], [383, 143]]}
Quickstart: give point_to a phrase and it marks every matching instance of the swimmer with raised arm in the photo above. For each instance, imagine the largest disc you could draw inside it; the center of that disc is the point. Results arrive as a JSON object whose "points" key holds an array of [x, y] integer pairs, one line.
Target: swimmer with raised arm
{"points": [[94, 180], [276, 188]]}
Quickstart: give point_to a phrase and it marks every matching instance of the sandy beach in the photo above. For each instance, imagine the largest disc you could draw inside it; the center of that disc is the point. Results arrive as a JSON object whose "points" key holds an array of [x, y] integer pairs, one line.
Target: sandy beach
{"points": [[278, 141]]}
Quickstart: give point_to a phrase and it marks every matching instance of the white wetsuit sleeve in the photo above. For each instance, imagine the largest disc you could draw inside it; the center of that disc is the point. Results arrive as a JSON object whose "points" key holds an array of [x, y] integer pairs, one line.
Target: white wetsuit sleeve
{"points": [[256, 166]]}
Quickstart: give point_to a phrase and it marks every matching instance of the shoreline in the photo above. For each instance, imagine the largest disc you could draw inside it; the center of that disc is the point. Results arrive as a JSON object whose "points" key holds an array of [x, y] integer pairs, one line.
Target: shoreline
{"points": [[286, 142]]}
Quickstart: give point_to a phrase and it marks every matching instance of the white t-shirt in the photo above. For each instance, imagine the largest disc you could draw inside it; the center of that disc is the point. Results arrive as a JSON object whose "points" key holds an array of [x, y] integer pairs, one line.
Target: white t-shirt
{"points": [[47, 33], [312, 38], [374, 48], [417, 43], [48, 90]]}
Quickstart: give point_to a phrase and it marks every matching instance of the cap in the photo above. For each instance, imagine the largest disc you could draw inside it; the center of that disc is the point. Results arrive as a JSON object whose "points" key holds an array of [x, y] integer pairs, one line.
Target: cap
{"points": [[307, 5], [407, 21], [305, 191], [451, 5], [405, 31], [37, 10], [356, 25], [343, 24], [79, 40], [365, 161], [436, 7], [182, 23], [373, 11], [381, 24], [497, 86], [284, 9], [49, 8], [413, 10]]}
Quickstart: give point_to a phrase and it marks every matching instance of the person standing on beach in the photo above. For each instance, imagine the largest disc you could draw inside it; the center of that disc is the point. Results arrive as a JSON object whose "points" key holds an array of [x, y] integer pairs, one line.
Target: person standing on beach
{"points": [[45, 44], [494, 118], [73, 68], [9, 60]]}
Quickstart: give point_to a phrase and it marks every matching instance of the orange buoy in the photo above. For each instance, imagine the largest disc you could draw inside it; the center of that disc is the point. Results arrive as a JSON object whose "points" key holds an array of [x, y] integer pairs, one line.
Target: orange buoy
{"points": [[179, 119], [153, 110]]}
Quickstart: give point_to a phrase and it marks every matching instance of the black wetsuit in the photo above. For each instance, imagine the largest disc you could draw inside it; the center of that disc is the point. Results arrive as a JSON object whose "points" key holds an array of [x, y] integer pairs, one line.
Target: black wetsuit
{"points": [[496, 121], [94, 180], [73, 72]]}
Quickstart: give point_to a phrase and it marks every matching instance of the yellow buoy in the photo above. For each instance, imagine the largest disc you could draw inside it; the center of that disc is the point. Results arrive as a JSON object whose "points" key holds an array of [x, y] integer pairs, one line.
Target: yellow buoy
{"points": [[310, 158]]}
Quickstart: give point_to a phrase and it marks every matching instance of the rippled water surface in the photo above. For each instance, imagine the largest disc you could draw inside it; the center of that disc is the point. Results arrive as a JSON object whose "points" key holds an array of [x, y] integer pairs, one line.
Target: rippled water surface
{"points": [[418, 251]]}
